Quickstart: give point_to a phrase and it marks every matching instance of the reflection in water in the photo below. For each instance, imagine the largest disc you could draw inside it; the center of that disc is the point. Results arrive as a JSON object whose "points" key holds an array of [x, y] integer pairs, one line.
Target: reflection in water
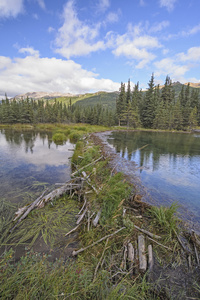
{"points": [[30, 161], [168, 164]]}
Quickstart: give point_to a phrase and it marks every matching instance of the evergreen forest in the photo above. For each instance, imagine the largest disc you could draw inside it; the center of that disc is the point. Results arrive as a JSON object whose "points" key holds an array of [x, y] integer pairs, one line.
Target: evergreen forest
{"points": [[157, 108]]}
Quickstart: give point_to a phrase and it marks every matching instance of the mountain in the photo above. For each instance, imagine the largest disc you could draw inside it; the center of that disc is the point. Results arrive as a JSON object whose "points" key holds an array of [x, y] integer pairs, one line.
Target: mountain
{"points": [[44, 95]]}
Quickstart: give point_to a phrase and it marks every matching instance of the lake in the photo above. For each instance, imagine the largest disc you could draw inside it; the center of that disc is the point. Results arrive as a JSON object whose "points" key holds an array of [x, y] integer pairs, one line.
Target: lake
{"points": [[29, 162], [168, 165]]}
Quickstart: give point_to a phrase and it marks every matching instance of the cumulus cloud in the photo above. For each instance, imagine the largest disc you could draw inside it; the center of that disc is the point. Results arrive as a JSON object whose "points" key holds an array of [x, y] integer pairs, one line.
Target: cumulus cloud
{"points": [[171, 67], [33, 74], [136, 45], [75, 38], [169, 4], [10, 8], [193, 54], [29, 50]]}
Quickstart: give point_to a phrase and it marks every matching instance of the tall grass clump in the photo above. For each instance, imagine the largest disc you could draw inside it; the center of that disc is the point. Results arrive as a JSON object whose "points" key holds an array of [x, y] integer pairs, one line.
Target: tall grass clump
{"points": [[59, 138], [165, 218]]}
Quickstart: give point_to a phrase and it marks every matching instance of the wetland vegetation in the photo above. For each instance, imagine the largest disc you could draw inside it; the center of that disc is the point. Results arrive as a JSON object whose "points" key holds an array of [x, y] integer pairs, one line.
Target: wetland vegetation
{"points": [[37, 260]]}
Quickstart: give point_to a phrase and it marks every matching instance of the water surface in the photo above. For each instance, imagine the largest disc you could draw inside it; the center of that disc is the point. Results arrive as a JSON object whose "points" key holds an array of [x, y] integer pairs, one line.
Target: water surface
{"points": [[30, 162], [167, 163]]}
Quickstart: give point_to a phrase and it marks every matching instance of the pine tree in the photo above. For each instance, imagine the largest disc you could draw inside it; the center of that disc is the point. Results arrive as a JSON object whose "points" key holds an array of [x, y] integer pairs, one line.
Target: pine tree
{"points": [[148, 109]]}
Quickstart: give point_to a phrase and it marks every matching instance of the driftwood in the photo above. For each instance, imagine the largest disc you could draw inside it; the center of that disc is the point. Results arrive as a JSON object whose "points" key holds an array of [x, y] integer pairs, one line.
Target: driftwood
{"points": [[57, 193], [125, 254], [142, 255], [88, 182], [29, 209], [95, 243], [130, 257], [147, 232], [150, 257], [84, 204], [74, 229], [93, 162], [81, 217], [96, 219], [160, 244]]}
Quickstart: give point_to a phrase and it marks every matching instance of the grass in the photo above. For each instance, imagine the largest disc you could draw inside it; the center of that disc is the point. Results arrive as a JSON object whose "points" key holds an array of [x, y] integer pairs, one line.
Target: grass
{"points": [[165, 218], [34, 276]]}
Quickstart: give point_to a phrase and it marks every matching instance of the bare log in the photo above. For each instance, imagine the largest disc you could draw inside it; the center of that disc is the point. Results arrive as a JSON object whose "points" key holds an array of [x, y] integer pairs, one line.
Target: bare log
{"points": [[93, 162], [81, 217], [147, 232], [57, 193], [96, 219], [95, 243], [150, 257], [142, 255], [29, 209], [130, 257]]}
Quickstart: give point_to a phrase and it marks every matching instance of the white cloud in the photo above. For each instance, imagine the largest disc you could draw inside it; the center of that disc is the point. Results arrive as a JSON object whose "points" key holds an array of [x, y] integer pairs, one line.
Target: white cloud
{"points": [[159, 26], [103, 5], [41, 3], [112, 18], [171, 67], [29, 50], [33, 73], [10, 8], [75, 38], [169, 4], [193, 54], [136, 45]]}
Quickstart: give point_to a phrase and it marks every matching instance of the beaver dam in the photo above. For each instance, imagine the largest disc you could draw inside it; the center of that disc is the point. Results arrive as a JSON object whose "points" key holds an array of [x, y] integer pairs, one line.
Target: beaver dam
{"points": [[93, 238]]}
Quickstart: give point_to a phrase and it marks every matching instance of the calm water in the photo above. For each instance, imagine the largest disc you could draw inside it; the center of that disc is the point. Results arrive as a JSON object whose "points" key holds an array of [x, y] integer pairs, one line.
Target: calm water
{"points": [[167, 163], [30, 161]]}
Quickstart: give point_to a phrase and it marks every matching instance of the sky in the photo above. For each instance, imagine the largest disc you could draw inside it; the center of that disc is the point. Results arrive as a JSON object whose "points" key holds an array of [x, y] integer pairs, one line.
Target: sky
{"points": [[81, 46]]}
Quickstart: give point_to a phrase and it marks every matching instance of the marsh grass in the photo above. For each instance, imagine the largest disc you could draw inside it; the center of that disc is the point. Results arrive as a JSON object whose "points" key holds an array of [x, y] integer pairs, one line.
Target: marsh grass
{"points": [[165, 219], [50, 224], [59, 138]]}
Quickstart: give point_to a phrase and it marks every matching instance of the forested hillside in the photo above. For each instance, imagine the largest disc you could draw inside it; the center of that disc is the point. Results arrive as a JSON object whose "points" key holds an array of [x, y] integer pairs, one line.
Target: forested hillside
{"points": [[174, 106]]}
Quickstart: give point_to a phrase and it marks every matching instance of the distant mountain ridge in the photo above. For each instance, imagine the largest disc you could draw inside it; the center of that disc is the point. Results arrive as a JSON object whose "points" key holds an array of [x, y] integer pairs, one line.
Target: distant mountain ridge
{"points": [[45, 95]]}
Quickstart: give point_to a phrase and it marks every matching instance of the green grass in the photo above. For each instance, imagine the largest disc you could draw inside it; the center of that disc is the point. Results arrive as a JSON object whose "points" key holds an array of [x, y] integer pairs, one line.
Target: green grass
{"points": [[165, 219]]}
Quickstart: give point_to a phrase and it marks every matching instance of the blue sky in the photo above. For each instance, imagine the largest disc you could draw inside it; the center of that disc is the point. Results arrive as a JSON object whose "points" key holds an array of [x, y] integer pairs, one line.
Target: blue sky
{"points": [[80, 46]]}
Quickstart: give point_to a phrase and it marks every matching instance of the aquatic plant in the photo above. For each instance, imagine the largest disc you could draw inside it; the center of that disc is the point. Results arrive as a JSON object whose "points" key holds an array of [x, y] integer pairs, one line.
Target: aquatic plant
{"points": [[59, 138]]}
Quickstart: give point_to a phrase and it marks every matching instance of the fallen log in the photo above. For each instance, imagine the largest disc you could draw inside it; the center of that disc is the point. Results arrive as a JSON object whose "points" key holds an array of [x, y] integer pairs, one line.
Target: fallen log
{"points": [[130, 258], [95, 243], [29, 209], [147, 232], [150, 258], [142, 255], [57, 193]]}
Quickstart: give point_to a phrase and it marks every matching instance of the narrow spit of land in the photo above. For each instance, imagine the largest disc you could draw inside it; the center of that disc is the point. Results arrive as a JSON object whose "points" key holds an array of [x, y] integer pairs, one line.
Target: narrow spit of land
{"points": [[124, 246]]}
